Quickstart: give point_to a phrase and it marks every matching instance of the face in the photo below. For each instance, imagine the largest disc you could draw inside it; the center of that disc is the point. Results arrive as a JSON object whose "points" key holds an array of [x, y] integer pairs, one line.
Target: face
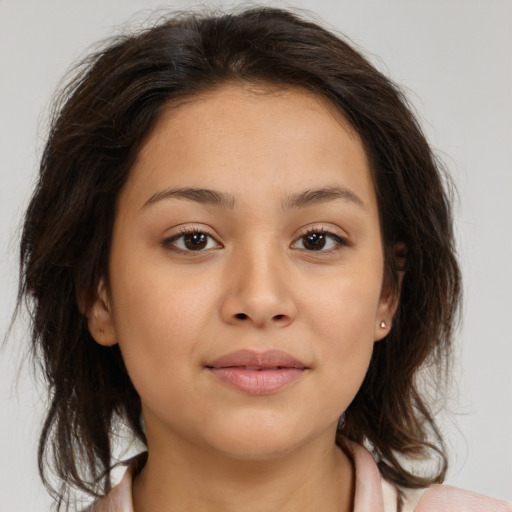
{"points": [[246, 272]]}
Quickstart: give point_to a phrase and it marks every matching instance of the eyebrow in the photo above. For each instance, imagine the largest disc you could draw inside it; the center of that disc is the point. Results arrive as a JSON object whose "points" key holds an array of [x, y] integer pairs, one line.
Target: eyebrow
{"points": [[303, 199], [199, 195], [321, 195]]}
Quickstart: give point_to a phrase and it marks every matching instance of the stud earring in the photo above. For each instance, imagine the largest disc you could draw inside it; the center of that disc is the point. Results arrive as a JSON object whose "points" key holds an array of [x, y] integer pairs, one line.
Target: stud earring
{"points": [[383, 325]]}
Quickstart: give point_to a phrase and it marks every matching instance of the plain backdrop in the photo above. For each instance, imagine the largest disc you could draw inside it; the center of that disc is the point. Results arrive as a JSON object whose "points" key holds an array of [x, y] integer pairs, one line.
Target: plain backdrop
{"points": [[453, 58]]}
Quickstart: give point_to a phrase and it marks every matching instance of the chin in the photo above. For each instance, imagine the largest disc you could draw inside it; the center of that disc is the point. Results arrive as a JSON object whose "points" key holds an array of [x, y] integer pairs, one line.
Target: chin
{"points": [[261, 449], [264, 441]]}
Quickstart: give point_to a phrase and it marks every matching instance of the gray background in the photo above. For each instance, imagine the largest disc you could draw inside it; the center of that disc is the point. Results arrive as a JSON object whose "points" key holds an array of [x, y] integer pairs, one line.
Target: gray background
{"points": [[453, 57]]}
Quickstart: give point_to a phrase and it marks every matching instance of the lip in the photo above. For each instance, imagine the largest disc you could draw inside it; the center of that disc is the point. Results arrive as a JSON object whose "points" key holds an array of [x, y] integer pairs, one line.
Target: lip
{"points": [[257, 373]]}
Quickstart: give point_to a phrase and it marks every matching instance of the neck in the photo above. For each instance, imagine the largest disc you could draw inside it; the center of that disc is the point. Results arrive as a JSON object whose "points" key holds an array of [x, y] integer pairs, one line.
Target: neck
{"points": [[318, 476]]}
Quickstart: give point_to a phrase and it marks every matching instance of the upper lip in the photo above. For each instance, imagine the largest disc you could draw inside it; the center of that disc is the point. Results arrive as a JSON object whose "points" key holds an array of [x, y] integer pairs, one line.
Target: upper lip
{"points": [[256, 360]]}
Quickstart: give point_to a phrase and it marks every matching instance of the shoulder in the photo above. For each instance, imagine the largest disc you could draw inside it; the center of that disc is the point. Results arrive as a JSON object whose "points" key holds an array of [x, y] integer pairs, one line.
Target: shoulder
{"points": [[445, 498], [119, 499], [378, 495], [439, 498]]}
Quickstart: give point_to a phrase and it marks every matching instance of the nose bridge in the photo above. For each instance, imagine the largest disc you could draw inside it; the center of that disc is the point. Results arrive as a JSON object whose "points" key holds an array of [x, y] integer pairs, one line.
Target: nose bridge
{"points": [[258, 292], [260, 274]]}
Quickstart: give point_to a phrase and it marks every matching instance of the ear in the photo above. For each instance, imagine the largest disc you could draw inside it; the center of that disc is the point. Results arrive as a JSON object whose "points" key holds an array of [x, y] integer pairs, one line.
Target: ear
{"points": [[100, 320], [390, 294]]}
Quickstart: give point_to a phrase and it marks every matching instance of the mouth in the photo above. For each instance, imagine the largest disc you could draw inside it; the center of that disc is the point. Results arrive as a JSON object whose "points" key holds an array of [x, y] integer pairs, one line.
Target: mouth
{"points": [[257, 373]]}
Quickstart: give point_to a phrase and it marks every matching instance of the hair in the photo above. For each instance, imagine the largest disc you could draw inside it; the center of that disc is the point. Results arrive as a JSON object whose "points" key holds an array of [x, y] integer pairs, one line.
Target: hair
{"points": [[97, 127]]}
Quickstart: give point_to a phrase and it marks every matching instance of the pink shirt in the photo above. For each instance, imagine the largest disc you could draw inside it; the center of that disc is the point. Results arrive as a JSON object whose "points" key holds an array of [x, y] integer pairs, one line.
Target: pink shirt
{"points": [[373, 493]]}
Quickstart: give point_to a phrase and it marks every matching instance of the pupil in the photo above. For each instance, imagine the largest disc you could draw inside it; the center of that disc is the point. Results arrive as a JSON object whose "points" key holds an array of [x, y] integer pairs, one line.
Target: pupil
{"points": [[315, 241], [195, 241]]}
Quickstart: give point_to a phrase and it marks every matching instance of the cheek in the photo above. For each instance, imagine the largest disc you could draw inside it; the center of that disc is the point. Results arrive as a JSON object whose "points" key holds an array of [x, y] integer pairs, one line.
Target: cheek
{"points": [[345, 309], [158, 317], [153, 298], [344, 320]]}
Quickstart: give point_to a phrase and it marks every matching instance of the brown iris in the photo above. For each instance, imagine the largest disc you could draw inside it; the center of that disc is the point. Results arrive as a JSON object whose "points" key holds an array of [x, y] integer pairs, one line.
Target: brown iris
{"points": [[314, 241], [195, 241]]}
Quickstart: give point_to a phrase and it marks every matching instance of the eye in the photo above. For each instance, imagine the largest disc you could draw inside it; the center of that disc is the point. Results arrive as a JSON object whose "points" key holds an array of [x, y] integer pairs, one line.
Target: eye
{"points": [[191, 241], [319, 240]]}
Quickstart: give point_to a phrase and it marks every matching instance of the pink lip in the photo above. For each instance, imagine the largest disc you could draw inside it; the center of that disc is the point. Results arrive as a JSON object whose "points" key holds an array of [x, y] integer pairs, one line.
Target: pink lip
{"points": [[257, 373]]}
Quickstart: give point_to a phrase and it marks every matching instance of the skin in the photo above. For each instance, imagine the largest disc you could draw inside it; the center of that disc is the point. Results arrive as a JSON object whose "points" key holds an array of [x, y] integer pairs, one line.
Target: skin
{"points": [[256, 285]]}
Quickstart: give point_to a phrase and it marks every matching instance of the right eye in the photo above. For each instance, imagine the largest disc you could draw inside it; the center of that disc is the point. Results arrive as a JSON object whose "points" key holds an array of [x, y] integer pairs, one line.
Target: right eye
{"points": [[193, 241]]}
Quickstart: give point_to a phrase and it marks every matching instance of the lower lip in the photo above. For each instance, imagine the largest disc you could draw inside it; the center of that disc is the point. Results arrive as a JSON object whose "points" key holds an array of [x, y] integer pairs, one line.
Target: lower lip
{"points": [[257, 382]]}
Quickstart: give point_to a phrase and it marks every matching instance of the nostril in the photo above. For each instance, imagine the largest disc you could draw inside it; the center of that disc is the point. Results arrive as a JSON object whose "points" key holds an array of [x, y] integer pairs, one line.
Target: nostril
{"points": [[278, 317], [241, 316]]}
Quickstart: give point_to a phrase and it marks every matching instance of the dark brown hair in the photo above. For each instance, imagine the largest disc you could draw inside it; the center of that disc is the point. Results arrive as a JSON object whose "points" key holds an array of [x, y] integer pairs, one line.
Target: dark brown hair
{"points": [[98, 125]]}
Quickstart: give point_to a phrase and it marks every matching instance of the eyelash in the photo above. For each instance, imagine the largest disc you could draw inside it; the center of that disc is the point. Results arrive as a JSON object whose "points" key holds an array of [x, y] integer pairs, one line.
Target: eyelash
{"points": [[169, 242], [339, 241]]}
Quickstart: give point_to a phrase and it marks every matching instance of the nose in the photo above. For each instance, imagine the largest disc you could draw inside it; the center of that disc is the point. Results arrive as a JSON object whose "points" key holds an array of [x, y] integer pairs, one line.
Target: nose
{"points": [[259, 291]]}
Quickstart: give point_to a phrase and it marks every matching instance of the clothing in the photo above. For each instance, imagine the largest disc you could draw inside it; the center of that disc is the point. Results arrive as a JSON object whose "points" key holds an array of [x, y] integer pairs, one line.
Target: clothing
{"points": [[373, 493]]}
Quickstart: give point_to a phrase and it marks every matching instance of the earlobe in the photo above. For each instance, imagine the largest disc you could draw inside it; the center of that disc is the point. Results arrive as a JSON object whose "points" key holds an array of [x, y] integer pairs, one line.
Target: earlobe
{"points": [[100, 320], [384, 319], [390, 295]]}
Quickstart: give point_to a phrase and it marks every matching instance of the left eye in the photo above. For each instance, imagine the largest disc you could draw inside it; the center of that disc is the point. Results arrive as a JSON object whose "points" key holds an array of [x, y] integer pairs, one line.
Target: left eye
{"points": [[193, 241], [318, 241]]}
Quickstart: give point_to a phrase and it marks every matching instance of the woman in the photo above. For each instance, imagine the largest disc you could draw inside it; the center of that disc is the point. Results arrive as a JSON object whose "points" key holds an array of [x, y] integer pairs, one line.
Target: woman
{"points": [[240, 246]]}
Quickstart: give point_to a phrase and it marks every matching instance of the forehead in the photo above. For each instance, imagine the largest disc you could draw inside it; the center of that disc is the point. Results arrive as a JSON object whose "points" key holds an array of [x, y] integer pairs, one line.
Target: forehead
{"points": [[220, 108], [279, 138]]}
